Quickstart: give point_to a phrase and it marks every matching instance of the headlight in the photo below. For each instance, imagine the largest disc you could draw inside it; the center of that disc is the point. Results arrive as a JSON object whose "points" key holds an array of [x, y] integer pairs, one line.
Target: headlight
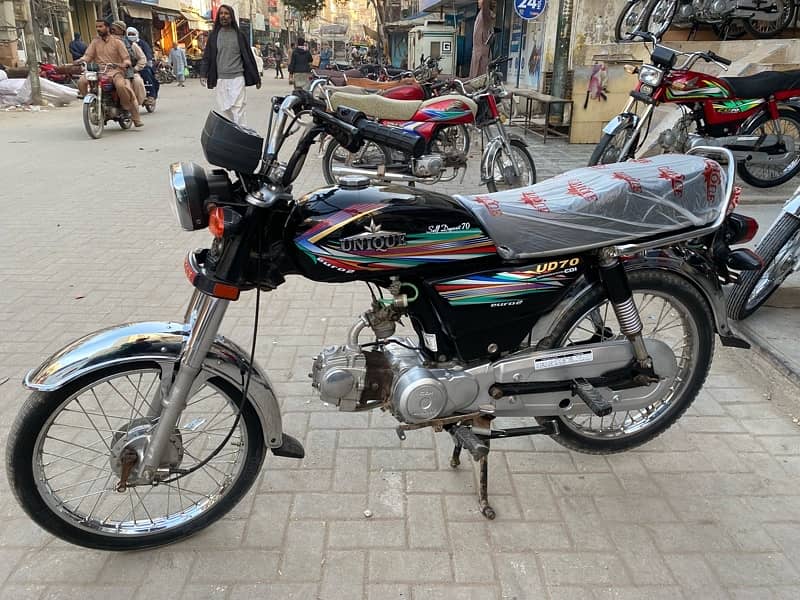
{"points": [[190, 188], [91, 75], [650, 75]]}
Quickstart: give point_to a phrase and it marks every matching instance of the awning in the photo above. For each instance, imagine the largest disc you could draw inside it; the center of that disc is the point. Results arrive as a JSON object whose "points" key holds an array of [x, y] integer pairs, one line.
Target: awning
{"points": [[169, 8], [194, 21], [137, 11]]}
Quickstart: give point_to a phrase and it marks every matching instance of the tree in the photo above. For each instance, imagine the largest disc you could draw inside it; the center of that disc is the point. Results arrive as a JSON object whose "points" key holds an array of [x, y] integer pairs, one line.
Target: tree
{"points": [[308, 9]]}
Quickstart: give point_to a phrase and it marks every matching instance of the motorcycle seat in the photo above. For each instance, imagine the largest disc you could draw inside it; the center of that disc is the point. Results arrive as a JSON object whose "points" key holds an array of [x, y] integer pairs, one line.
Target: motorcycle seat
{"points": [[594, 207], [388, 109], [764, 84]]}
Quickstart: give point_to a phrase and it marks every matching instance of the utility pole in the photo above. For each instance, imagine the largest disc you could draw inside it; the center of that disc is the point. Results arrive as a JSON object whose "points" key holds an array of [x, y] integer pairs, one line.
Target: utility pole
{"points": [[32, 55], [115, 10], [561, 56]]}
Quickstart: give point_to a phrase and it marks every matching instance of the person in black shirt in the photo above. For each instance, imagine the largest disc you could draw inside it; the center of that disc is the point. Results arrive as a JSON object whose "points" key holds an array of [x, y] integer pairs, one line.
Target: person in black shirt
{"points": [[300, 65]]}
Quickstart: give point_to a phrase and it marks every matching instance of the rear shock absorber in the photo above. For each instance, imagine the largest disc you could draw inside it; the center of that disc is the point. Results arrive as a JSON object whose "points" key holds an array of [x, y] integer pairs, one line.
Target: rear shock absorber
{"points": [[619, 292]]}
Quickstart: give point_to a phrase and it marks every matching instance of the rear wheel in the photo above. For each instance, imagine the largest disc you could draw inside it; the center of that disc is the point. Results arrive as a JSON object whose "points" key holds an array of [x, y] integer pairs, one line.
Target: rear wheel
{"points": [[369, 157], [732, 30], [93, 119], [780, 251], [65, 449], [763, 28], [610, 147], [125, 120], [787, 128], [673, 312], [150, 104], [509, 172]]}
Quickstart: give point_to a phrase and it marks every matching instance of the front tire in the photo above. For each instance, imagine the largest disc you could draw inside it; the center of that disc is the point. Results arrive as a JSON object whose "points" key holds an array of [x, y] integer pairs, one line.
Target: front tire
{"points": [[780, 251], [501, 171], [629, 20], [93, 119], [60, 459], [658, 15], [786, 125], [672, 311], [609, 148]]}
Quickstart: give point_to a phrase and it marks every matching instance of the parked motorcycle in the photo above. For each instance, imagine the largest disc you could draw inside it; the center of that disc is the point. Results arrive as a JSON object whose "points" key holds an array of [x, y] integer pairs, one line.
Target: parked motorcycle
{"points": [[506, 161], [63, 74], [531, 303], [101, 104], [756, 117], [780, 254], [163, 71], [728, 18]]}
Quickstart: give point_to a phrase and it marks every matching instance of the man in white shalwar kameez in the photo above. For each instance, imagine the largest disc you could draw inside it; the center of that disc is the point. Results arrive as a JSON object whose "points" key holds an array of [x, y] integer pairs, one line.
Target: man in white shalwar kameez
{"points": [[229, 65]]}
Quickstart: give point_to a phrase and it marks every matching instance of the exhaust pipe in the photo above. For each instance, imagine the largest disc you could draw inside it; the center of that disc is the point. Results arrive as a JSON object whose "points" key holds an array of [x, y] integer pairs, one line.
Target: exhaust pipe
{"points": [[375, 174], [755, 149]]}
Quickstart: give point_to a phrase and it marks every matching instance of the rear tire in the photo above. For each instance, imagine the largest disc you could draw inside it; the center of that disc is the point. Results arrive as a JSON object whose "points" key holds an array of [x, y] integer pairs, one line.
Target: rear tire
{"points": [[369, 157], [788, 121], [780, 250], [693, 345], [609, 148], [768, 29]]}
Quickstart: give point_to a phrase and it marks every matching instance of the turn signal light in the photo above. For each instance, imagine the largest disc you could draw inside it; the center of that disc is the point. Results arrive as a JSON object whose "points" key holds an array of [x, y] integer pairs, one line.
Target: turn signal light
{"points": [[631, 69], [223, 221]]}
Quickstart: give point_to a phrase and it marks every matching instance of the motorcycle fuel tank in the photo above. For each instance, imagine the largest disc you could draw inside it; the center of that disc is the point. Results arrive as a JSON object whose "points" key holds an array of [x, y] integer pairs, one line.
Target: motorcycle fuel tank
{"points": [[358, 231]]}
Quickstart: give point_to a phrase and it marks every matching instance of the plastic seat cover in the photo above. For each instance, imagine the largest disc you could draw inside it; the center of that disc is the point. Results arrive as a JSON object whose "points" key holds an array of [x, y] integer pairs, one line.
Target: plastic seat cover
{"points": [[601, 206]]}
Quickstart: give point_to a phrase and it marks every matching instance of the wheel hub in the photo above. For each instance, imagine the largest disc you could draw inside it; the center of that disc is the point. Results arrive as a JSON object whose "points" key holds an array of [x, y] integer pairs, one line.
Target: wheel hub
{"points": [[134, 438]]}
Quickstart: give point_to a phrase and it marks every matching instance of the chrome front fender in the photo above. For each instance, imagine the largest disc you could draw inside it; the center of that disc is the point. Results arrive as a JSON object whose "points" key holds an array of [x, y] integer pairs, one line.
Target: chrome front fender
{"points": [[492, 148], [162, 343], [709, 288], [619, 122]]}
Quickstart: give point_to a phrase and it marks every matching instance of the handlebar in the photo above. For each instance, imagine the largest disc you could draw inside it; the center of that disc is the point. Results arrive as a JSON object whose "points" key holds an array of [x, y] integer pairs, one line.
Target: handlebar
{"points": [[720, 59], [691, 56], [351, 128]]}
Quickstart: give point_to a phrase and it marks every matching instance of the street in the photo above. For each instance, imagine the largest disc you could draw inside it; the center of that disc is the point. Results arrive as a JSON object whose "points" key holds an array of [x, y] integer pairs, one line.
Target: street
{"points": [[711, 509]]}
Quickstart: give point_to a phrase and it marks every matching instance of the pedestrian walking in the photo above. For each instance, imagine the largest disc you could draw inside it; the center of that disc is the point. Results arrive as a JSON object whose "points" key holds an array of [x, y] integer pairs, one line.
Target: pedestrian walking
{"points": [[278, 55], [300, 66], [229, 65], [483, 28], [177, 59], [77, 47]]}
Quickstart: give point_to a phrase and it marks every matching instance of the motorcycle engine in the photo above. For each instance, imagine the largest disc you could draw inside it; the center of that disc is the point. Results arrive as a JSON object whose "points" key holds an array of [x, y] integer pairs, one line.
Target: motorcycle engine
{"points": [[676, 139], [429, 165]]}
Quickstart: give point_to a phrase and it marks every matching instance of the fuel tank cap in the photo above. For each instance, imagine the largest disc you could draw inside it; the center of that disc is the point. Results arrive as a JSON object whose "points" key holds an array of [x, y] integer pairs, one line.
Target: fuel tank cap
{"points": [[354, 182]]}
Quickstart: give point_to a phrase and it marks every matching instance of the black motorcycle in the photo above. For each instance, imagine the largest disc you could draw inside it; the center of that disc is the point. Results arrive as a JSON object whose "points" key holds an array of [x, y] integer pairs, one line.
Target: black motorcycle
{"points": [[587, 304]]}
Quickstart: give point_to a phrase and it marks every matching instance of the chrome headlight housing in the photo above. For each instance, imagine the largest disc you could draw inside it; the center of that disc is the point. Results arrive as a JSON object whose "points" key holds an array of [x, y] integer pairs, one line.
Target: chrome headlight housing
{"points": [[650, 75], [190, 189]]}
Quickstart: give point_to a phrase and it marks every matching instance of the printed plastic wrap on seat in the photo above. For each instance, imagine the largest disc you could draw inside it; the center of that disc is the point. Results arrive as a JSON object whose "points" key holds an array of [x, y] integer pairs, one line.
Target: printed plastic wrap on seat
{"points": [[604, 205]]}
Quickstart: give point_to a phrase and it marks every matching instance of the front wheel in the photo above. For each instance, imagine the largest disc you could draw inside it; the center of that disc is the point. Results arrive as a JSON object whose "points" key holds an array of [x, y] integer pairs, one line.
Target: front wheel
{"points": [[780, 253], [672, 311], [657, 16], [629, 20], [787, 128], [65, 456], [514, 171], [611, 146], [369, 157], [93, 119]]}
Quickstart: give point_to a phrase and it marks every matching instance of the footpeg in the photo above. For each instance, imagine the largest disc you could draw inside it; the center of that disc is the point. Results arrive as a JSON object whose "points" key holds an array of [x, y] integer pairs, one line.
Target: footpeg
{"points": [[465, 438], [592, 397]]}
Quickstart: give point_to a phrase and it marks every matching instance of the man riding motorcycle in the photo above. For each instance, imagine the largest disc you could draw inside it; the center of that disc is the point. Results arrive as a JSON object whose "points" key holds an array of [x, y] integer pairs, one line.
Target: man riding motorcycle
{"points": [[138, 61], [108, 50], [147, 73]]}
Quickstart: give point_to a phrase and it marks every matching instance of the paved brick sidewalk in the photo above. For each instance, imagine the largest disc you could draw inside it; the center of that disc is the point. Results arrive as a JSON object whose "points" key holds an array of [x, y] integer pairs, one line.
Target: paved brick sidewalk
{"points": [[709, 510]]}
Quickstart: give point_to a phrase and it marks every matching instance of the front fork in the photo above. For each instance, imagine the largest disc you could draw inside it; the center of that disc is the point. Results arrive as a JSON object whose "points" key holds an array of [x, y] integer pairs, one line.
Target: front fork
{"points": [[205, 316], [628, 148]]}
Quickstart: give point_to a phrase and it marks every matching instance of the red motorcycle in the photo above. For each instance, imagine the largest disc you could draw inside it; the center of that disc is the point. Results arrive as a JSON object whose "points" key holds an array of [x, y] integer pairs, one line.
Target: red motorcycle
{"points": [[756, 117], [506, 162], [101, 104], [63, 74]]}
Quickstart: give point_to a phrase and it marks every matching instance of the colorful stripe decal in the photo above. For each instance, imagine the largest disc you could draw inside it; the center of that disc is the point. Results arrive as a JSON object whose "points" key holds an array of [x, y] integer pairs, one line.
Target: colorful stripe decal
{"points": [[500, 287]]}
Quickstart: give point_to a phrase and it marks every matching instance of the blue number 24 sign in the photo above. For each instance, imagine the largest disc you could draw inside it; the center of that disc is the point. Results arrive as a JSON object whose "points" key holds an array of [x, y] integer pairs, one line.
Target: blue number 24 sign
{"points": [[529, 9]]}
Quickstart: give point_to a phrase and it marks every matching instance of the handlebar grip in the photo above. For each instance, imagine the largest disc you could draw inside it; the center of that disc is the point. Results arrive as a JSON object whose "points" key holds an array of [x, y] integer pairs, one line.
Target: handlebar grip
{"points": [[394, 137], [721, 59]]}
